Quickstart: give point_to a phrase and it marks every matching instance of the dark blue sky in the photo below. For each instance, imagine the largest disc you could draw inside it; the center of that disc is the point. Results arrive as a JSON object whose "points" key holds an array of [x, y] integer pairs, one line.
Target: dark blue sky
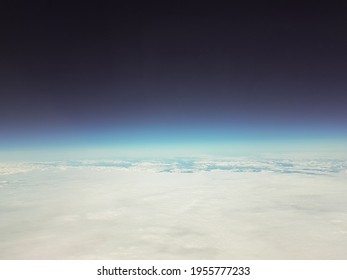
{"points": [[118, 69]]}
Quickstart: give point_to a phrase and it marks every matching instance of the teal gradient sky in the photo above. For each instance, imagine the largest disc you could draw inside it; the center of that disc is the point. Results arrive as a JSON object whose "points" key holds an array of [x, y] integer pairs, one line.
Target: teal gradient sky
{"points": [[169, 139], [214, 77]]}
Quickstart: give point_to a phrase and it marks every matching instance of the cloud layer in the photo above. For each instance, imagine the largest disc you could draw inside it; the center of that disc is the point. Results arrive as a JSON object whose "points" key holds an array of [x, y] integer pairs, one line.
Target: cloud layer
{"points": [[174, 209]]}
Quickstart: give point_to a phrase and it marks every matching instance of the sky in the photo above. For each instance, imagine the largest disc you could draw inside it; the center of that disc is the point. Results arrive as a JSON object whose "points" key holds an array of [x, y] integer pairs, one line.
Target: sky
{"points": [[136, 73]]}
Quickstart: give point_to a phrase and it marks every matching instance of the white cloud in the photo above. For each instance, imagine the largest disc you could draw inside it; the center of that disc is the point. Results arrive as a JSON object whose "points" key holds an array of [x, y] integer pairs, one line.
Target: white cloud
{"points": [[230, 208]]}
